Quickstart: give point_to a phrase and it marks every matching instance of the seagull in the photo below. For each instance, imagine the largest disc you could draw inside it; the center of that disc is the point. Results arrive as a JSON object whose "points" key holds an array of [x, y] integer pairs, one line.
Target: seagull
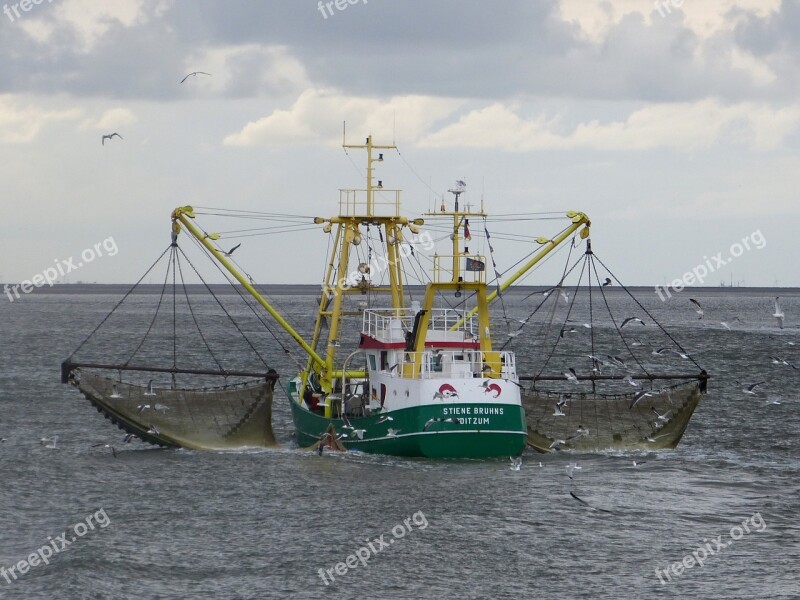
{"points": [[571, 375], [561, 402], [162, 408], [661, 417], [556, 443], [581, 431], [114, 392], [359, 433], [109, 136], [128, 438], [142, 407], [782, 361], [571, 467], [49, 442], [631, 319], [113, 450], [778, 312], [630, 380], [659, 352], [617, 361], [516, 462], [748, 389], [683, 355], [570, 330], [383, 419], [587, 505], [195, 74], [656, 438], [150, 390], [513, 334], [638, 397], [153, 430], [564, 295], [606, 282], [392, 432], [232, 250], [699, 310], [558, 412], [638, 464], [773, 400], [440, 420]]}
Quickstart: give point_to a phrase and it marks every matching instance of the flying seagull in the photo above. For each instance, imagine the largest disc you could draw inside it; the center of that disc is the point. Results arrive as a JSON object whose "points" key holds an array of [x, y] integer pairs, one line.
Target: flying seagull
{"points": [[150, 390], [631, 319], [383, 419], [661, 417], [440, 420], [109, 136], [638, 397], [631, 381], [571, 467], [748, 388], [782, 361], [195, 74], [49, 442], [113, 450], [571, 375], [699, 310], [114, 392], [778, 312], [587, 505], [232, 250], [607, 282], [516, 463]]}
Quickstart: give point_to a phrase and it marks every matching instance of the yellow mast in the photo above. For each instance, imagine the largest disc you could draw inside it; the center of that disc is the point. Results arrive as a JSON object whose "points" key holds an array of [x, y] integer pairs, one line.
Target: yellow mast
{"points": [[579, 219]]}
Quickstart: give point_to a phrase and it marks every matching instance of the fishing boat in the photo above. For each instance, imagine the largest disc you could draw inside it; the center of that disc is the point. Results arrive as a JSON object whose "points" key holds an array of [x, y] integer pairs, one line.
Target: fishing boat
{"points": [[427, 376]]}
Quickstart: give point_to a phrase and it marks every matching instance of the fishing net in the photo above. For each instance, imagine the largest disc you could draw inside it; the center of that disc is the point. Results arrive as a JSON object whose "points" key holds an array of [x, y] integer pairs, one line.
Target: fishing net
{"points": [[204, 419], [594, 422]]}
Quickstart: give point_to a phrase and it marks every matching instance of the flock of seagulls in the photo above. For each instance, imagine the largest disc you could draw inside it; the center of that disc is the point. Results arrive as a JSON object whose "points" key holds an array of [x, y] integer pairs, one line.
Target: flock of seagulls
{"points": [[110, 136]]}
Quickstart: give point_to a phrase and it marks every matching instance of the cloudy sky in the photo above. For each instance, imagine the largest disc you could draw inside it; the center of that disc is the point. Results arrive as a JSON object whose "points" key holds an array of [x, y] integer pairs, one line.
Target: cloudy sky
{"points": [[673, 125]]}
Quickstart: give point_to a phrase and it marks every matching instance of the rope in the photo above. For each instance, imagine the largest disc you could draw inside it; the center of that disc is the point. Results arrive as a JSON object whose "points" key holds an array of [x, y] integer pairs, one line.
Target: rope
{"points": [[674, 341], [128, 293], [155, 316]]}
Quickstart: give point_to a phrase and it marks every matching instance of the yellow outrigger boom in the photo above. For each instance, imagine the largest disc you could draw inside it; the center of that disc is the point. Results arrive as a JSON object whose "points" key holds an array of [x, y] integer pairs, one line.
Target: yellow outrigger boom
{"points": [[578, 219]]}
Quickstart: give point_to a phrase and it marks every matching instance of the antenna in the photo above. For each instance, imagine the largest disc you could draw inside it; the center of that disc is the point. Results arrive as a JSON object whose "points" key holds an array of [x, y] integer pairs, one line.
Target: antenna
{"points": [[394, 126], [344, 133]]}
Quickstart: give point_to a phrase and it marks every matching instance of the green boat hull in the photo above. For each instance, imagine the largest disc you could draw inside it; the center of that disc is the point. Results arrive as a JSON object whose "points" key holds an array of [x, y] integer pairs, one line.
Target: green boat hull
{"points": [[483, 431]]}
